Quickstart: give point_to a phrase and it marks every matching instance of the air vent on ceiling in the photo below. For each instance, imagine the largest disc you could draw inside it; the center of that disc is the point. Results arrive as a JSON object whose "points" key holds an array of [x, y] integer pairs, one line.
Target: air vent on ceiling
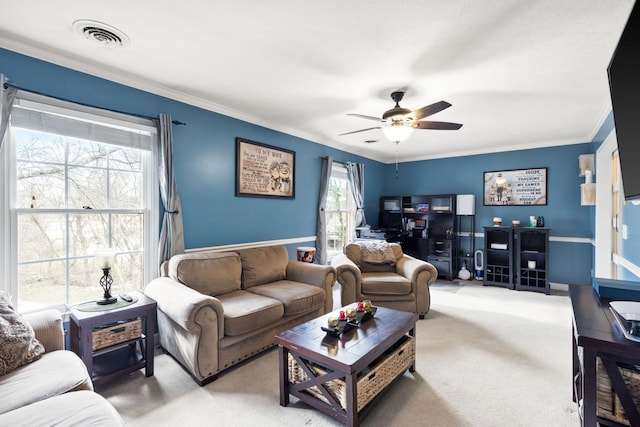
{"points": [[101, 33]]}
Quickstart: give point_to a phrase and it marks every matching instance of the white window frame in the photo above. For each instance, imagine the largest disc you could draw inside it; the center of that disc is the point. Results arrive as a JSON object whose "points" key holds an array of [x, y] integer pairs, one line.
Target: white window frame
{"points": [[8, 210], [339, 170]]}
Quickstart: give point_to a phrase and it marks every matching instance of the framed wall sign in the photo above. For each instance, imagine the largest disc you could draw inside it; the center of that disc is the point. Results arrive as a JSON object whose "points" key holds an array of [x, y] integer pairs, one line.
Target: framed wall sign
{"points": [[515, 187], [264, 170]]}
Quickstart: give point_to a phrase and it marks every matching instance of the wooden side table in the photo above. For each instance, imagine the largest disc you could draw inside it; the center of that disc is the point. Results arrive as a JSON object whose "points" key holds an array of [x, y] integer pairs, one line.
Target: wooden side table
{"points": [[121, 358]]}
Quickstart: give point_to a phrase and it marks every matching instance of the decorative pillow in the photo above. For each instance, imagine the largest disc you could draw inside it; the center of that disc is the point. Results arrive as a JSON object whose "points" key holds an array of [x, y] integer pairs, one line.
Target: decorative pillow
{"points": [[18, 344]]}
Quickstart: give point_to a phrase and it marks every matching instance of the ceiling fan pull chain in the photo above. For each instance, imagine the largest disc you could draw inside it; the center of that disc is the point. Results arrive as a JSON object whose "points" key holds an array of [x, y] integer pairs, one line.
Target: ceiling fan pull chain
{"points": [[396, 144]]}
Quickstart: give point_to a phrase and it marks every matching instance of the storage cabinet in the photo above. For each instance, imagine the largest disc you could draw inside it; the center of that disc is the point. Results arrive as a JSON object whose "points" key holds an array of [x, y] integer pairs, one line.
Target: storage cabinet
{"points": [[426, 226], [390, 213], [429, 225], [442, 233], [532, 248], [517, 258], [498, 242]]}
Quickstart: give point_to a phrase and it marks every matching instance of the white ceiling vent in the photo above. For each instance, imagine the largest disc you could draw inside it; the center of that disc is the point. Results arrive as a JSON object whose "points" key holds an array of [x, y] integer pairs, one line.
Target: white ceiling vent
{"points": [[101, 33]]}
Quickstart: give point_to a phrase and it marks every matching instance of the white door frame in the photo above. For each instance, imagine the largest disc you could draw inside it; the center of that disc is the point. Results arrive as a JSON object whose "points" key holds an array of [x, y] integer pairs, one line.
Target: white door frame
{"points": [[603, 239]]}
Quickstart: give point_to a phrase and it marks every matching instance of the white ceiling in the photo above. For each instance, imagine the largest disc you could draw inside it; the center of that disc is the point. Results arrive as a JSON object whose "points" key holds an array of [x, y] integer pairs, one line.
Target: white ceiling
{"points": [[519, 73]]}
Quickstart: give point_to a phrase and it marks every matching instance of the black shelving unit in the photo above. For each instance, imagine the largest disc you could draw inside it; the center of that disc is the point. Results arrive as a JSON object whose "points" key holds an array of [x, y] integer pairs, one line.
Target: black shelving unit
{"points": [[466, 244], [532, 249], [427, 226], [415, 224], [442, 234], [498, 249]]}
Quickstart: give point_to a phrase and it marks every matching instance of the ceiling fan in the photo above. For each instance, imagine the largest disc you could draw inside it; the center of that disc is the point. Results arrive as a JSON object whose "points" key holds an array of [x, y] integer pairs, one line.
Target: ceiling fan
{"points": [[400, 122]]}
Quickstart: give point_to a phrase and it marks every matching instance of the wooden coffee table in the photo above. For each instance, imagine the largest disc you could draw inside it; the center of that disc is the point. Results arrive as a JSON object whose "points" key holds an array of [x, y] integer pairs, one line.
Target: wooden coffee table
{"points": [[340, 376]]}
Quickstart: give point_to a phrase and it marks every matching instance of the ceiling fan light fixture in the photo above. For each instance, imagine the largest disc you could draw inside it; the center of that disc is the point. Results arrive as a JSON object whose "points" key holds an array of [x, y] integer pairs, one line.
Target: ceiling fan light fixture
{"points": [[397, 132]]}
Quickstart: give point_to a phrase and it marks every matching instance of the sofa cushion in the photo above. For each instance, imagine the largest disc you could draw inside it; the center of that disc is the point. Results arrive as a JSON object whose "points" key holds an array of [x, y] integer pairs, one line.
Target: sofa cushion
{"points": [[385, 284], [80, 408], [54, 373], [246, 311], [353, 251], [297, 298], [210, 273], [263, 265], [18, 344]]}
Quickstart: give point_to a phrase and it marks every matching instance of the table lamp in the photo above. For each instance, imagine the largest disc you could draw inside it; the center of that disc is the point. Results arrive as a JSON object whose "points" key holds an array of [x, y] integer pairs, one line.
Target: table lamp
{"points": [[105, 259]]}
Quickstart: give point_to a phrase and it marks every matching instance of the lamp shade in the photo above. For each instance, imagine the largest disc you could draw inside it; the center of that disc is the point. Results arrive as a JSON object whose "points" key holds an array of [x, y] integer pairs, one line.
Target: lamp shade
{"points": [[397, 132], [105, 258]]}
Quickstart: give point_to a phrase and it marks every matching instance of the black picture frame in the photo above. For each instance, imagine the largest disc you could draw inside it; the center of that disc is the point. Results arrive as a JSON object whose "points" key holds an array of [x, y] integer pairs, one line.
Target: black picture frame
{"points": [[264, 170], [515, 187]]}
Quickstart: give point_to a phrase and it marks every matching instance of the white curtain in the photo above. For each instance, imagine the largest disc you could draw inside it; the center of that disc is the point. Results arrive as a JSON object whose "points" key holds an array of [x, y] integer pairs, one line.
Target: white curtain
{"points": [[321, 230], [171, 232], [7, 96], [355, 173]]}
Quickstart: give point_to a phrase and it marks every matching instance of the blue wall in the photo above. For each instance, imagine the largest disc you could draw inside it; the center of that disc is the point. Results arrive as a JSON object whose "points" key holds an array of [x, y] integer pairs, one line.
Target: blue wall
{"points": [[204, 160], [571, 228]]}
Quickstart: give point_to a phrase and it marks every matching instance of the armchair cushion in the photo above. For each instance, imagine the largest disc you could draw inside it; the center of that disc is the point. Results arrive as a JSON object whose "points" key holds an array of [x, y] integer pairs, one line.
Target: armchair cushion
{"points": [[263, 265], [55, 373], [385, 284], [354, 251], [208, 273], [18, 344], [297, 298], [246, 311]]}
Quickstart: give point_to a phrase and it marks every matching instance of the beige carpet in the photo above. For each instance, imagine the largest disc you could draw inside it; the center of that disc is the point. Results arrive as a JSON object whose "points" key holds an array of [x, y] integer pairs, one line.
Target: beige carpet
{"points": [[485, 356]]}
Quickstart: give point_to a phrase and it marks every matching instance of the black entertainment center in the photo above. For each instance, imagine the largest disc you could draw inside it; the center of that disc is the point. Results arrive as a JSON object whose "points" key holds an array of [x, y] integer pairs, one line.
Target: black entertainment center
{"points": [[425, 226]]}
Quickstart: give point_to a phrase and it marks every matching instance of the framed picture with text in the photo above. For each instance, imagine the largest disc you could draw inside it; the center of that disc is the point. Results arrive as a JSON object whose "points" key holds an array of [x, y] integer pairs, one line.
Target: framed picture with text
{"points": [[516, 187], [264, 170]]}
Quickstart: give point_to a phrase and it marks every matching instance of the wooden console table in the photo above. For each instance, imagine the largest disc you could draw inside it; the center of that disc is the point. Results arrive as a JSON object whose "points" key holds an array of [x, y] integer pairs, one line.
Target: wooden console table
{"points": [[595, 335]]}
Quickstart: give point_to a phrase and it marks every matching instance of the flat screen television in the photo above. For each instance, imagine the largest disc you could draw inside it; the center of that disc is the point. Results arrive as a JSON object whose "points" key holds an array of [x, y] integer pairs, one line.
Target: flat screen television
{"points": [[624, 86]]}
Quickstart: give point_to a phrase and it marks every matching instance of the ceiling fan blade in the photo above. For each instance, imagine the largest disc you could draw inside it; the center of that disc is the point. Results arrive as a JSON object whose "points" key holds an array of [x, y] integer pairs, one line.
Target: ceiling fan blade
{"points": [[436, 125], [429, 110], [362, 116], [361, 130]]}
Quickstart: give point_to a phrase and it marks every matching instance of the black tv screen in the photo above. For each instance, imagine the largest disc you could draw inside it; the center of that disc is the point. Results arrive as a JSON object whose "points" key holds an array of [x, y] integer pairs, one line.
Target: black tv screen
{"points": [[624, 85]]}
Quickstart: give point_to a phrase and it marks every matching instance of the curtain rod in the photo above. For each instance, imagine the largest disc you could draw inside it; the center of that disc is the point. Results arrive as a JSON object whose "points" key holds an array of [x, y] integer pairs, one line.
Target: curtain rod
{"points": [[8, 85]]}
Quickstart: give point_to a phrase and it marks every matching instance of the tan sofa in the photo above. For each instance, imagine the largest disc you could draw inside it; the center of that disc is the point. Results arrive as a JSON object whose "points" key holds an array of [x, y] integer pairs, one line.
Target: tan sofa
{"points": [[216, 309], [393, 279], [55, 389]]}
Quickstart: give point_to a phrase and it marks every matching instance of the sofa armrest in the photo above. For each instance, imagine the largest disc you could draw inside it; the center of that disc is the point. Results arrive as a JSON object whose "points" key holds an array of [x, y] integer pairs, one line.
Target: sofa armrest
{"points": [[181, 303], [349, 276], [47, 325], [321, 276]]}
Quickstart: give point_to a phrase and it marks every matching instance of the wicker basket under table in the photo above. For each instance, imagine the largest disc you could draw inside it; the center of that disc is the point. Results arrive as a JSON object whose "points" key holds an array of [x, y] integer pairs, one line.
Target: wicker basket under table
{"points": [[608, 403], [116, 333], [370, 382]]}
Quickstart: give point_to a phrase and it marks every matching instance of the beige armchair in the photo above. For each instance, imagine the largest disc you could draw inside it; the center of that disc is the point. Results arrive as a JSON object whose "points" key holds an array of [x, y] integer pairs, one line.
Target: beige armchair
{"points": [[382, 273]]}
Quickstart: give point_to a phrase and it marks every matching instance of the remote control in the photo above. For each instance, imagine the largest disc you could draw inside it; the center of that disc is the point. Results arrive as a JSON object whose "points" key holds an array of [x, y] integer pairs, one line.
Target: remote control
{"points": [[126, 297]]}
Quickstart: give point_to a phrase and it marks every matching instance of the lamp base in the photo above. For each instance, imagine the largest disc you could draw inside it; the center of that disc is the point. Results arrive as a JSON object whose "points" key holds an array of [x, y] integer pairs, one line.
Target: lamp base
{"points": [[106, 301]]}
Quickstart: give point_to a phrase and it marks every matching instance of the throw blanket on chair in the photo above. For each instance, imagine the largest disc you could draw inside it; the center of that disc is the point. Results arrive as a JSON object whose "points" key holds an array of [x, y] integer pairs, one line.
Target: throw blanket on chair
{"points": [[377, 252]]}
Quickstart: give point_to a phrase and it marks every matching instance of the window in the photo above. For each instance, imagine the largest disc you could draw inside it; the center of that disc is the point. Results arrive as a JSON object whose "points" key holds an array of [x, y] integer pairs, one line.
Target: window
{"points": [[76, 180], [340, 211]]}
